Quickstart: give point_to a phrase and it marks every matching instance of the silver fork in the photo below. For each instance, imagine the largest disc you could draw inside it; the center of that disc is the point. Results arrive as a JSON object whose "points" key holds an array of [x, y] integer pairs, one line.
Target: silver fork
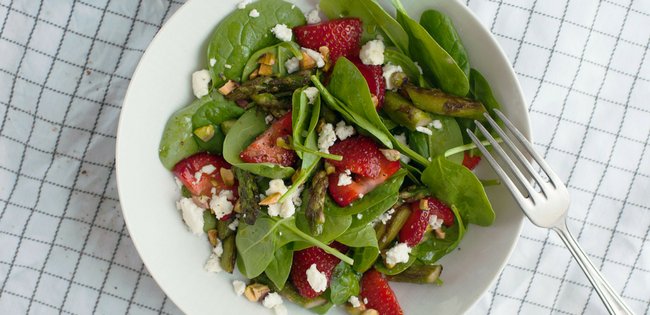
{"points": [[547, 207]]}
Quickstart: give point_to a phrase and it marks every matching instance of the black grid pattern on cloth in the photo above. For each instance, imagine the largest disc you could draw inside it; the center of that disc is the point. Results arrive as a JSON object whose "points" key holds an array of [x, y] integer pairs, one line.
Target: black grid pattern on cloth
{"points": [[583, 66]]}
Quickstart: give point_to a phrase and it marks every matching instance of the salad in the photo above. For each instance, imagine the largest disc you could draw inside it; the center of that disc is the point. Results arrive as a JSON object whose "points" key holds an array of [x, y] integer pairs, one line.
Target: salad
{"points": [[326, 159]]}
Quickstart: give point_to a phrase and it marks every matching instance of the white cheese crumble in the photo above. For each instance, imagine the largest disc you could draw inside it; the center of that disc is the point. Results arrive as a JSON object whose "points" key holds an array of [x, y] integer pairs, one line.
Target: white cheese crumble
{"points": [[312, 17], [384, 217], [233, 226], [398, 254], [344, 131], [365, 301], [311, 93], [200, 80], [326, 138], [287, 208], [435, 222], [344, 180], [388, 72], [293, 7], [354, 301], [243, 4], [292, 65], [402, 139], [254, 13], [192, 215], [220, 204], [239, 287], [280, 309], [179, 184], [282, 32], [227, 66], [317, 280], [372, 53], [268, 119], [424, 130], [359, 216], [436, 124], [214, 262], [419, 68], [320, 61], [271, 300], [212, 62]]}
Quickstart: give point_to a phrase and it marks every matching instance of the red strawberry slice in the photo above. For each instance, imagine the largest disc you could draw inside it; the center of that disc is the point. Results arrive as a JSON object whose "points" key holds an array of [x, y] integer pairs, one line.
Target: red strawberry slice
{"points": [[439, 209], [375, 288], [186, 169], [416, 225], [360, 154], [340, 36], [264, 148], [325, 263], [471, 161], [374, 76]]}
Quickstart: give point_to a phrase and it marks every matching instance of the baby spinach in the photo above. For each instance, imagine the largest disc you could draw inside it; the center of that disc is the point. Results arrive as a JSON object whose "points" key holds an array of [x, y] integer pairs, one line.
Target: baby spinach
{"points": [[280, 267], [214, 113], [375, 210], [364, 242], [209, 221], [408, 66], [433, 248], [439, 68], [375, 20], [243, 132], [456, 185], [282, 51], [239, 36], [377, 201], [441, 140], [479, 89], [177, 140], [333, 227], [441, 28], [344, 284]]}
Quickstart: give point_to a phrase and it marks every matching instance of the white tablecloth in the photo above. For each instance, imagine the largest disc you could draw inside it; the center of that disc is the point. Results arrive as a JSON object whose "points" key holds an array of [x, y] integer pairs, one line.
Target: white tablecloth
{"points": [[65, 66]]}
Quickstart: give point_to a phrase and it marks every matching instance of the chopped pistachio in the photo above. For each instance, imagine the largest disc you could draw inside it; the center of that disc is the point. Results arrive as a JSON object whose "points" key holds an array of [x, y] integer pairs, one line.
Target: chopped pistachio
{"points": [[267, 59], [329, 168], [424, 204], [227, 176], [237, 207], [256, 292], [205, 133], [212, 237], [391, 155], [439, 233], [307, 62], [228, 87], [273, 198], [284, 142], [254, 74], [265, 70]]}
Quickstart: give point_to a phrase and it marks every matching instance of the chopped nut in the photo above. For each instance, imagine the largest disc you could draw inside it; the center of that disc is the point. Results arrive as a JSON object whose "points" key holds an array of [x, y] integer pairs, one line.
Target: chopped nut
{"points": [[355, 310], [383, 255], [267, 59], [329, 168], [237, 207], [295, 175], [319, 126], [325, 51], [370, 312], [391, 155], [214, 182], [439, 233], [265, 70], [256, 292], [284, 142], [429, 229], [307, 63], [227, 176], [222, 77], [424, 204], [254, 74], [273, 198], [205, 133], [228, 87], [212, 237], [375, 100]]}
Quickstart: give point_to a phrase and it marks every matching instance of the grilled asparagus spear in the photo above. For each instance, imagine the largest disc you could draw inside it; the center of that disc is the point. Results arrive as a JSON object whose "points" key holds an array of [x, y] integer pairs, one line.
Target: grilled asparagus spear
{"points": [[316, 203], [402, 111], [249, 196], [439, 102]]}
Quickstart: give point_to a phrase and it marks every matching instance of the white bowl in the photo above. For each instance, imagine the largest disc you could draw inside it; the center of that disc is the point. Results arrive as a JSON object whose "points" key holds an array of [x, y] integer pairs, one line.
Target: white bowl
{"points": [[175, 258]]}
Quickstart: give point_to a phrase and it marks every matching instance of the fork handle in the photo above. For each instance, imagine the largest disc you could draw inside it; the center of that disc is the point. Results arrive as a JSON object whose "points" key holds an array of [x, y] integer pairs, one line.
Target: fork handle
{"points": [[612, 300]]}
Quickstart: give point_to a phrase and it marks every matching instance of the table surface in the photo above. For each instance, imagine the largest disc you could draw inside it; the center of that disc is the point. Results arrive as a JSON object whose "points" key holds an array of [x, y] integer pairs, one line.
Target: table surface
{"points": [[64, 69]]}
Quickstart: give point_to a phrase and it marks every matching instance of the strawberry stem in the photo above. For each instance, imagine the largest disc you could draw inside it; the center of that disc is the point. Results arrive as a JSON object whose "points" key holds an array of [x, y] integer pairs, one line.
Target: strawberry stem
{"points": [[318, 243], [467, 147], [300, 147]]}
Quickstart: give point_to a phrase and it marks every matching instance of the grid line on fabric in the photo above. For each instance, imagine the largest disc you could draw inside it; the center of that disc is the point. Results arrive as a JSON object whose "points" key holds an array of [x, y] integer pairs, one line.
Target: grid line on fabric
{"points": [[530, 16]]}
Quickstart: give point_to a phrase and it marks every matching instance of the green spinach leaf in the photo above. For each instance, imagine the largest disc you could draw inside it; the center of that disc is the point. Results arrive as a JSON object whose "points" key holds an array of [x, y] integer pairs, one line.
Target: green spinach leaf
{"points": [[239, 36], [344, 284], [441, 140], [214, 113], [282, 51], [364, 242], [408, 66], [375, 20], [279, 268], [209, 221], [333, 227], [441, 28], [432, 249], [243, 132]]}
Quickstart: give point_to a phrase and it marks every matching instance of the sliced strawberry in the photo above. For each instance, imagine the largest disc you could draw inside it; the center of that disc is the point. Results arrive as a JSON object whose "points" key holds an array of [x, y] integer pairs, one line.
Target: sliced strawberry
{"points": [[186, 169], [360, 154], [340, 36], [374, 77], [439, 209], [416, 225], [264, 148], [375, 289], [471, 161], [361, 185], [325, 263]]}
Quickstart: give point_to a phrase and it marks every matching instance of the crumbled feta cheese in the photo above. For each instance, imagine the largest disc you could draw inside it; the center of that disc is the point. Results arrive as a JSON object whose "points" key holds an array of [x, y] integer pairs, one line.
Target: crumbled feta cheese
{"points": [[365, 301], [282, 32], [344, 131], [233, 226], [344, 179], [239, 287], [326, 138], [292, 65], [227, 66], [398, 254], [271, 300], [320, 61], [349, 172], [297, 200], [402, 139], [317, 280], [280, 309], [435, 222], [268, 119], [312, 17], [212, 62], [220, 204], [388, 72], [213, 191], [311, 93], [419, 68], [384, 217], [354, 301], [359, 216], [254, 13], [293, 6], [200, 80], [436, 124], [179, 184], [214, 262], [243, 4], [285, 209], [276, 186], [372, 53], [424, 130], [208, 169], [192, 215]]}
